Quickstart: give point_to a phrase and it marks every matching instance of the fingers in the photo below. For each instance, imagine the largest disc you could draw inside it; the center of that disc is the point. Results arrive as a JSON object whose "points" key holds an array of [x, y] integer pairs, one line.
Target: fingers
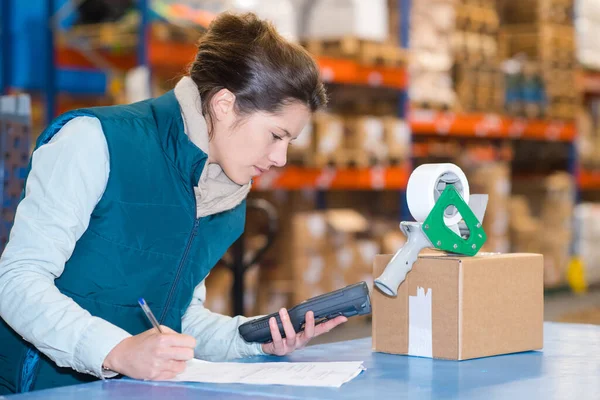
{"points": [[177, 353], [278, 345], [309, 330], [290, 333], [329, 325], [166, 329], [309, 326], [169, 370], [169, 337], [177, 340]]}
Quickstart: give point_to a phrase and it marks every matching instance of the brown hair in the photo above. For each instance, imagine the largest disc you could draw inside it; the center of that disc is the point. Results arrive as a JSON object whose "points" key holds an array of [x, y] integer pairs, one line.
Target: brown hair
{"points": [[247, 56]]}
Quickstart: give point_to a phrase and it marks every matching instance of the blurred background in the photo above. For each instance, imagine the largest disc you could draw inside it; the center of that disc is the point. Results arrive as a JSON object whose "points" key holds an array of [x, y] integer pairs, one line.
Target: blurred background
{"points": [[508, 90]]}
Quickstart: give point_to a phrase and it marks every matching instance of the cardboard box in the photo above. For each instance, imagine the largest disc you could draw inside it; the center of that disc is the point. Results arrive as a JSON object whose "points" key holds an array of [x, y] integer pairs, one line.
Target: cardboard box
{"points": [[397, 138], [366, 135], [460, 308], [325, 252], [329, 132]]}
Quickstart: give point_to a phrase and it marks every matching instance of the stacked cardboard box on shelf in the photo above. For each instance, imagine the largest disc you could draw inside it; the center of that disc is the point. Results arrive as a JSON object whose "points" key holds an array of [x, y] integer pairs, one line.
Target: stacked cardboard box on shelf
{"points": [[431, 28], [587, 237], [557, 223], [587, 24], [358, 141], [588, 138], [542, 41], [475, 45], [493, 179], [351, 29], [328, 253], [549, 230], [275, 281]]}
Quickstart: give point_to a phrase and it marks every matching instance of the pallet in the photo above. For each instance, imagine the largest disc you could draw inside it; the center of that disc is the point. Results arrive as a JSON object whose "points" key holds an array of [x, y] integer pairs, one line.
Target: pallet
{"points": [[355, 158], [363, 51], [431, 105]]}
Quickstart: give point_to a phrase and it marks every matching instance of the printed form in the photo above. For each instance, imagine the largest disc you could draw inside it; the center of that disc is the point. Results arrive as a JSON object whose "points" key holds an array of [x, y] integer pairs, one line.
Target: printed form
{"points": [[323, 374]]}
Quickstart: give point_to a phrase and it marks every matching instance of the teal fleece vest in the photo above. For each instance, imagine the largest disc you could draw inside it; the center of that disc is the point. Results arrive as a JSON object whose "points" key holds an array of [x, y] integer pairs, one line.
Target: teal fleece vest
{"points": [[143, 240]]}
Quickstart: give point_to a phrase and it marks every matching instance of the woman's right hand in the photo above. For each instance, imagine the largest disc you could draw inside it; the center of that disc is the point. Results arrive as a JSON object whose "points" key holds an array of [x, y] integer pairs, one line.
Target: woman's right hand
{"points": [[152, 355]]}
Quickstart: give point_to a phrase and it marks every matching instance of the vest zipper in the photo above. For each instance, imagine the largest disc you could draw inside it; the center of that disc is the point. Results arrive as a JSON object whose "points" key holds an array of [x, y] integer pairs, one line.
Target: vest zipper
{"points": [[179, 268]]}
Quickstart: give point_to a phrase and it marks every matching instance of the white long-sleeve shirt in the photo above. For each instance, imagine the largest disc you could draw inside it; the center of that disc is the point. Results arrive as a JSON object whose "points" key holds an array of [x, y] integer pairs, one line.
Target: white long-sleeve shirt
{"points": [[68, 177]]}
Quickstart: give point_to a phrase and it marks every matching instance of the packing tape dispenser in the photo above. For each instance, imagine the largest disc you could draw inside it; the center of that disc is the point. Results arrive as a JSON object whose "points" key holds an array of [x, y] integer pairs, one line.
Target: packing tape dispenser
{"points": [[448, 217]]}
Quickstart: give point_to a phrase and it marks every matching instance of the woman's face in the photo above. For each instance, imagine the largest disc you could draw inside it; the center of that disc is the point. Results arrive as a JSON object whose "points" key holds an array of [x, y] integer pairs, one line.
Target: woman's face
{"points": [[247, 147]]}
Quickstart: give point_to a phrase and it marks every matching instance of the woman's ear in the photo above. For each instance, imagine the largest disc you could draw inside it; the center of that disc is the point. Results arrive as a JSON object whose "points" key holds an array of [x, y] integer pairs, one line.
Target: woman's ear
{"points": [[223, 103]]}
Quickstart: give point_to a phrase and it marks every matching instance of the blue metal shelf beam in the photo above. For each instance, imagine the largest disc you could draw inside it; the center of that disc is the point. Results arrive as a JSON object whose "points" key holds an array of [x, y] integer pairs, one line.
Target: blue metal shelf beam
{"points": [[50, 81], [6, 43]]}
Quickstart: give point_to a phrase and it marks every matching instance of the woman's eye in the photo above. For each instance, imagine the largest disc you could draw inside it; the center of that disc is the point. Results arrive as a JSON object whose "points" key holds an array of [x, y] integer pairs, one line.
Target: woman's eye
{"points": [[275, 137]]}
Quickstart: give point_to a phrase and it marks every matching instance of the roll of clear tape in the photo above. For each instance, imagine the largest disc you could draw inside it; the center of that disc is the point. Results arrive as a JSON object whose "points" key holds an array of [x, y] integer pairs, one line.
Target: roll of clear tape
{"points": [[425, 185]]}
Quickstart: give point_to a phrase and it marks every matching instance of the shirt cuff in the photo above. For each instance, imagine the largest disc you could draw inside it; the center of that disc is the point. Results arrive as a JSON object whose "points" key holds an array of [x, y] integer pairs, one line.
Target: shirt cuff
{"points": [[245, 349], [98, 339]]}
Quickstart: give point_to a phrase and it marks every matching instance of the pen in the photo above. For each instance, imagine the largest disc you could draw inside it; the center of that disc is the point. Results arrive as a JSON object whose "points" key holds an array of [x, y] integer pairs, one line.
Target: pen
{"points": [[149, 314]]}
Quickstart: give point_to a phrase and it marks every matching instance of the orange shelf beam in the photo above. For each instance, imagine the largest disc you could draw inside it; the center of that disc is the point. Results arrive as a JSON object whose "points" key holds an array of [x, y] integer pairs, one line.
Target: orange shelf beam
{"points": [[296, 178], [426, 122], [589, 179], [334, 70], [170, 56], [72, 58], [173, 56]]}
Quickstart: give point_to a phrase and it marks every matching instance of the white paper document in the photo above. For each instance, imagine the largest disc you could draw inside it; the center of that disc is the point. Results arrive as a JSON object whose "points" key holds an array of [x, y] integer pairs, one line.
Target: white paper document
{"points": [[324, 374]]}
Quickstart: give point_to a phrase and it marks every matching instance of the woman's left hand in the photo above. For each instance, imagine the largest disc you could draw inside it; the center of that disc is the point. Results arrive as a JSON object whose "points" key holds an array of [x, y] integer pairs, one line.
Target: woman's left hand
{"points": [[293, 340]]}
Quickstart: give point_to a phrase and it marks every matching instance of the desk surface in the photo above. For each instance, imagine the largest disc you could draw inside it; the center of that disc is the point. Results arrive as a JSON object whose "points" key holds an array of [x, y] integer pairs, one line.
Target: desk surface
{"points": [[568, 367]]}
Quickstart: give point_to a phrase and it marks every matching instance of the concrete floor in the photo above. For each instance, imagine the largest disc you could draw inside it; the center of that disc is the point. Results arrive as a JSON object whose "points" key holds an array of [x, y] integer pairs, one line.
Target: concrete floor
{"points": [[558, 307]]}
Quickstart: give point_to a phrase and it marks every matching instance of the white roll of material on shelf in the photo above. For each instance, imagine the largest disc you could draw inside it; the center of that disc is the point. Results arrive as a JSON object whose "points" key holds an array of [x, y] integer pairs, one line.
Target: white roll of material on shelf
{"points": [[426, 184]]}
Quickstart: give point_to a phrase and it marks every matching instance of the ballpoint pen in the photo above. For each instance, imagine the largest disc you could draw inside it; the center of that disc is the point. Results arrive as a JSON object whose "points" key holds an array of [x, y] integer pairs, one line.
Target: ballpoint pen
{"points": [[149, 314]]}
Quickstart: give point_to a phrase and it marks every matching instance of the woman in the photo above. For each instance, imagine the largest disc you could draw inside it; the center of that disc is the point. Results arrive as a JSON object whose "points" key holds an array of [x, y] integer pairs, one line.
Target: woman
{"points": [[142, 200]]}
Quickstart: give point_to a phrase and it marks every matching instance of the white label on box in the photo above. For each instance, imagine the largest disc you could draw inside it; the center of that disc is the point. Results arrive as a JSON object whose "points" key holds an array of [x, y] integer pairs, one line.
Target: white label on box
{"points": [[419, 324]]}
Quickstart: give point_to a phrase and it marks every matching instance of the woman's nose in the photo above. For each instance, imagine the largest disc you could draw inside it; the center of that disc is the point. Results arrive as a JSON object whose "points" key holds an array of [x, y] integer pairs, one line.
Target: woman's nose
{"points": [[279, 156]]}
